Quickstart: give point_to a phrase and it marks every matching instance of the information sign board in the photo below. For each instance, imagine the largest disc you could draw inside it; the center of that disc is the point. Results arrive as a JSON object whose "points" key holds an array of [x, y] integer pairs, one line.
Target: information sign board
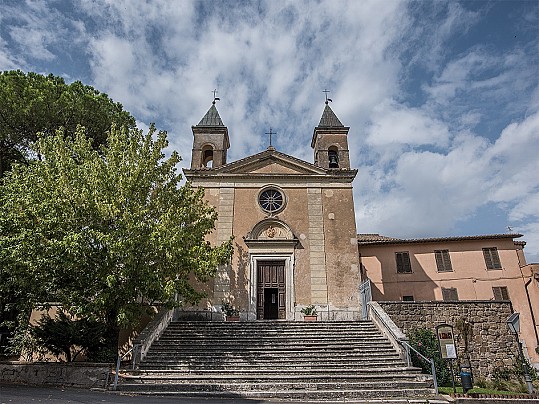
{"points": [[446, 340]]}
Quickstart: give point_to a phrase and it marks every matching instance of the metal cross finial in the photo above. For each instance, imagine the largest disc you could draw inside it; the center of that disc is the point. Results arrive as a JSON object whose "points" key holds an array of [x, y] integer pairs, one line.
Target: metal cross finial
{"points": [[327, 99], [270, 133], [214, 97]]}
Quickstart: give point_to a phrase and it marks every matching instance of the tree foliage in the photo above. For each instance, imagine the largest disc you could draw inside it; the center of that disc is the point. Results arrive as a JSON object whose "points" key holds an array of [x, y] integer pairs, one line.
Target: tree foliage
{"points": [[424, 341], [32, 103], [105, 233]]}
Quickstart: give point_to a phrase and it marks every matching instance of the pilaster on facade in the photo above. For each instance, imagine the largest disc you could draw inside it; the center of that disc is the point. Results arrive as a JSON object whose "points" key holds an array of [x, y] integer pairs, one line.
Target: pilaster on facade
{"points": [[317, 250], [224, 229]]}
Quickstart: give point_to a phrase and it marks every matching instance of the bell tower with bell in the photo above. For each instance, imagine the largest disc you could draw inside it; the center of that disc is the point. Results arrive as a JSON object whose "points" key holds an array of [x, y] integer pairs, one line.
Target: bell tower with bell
{"points": [[210, 140], [330, 141]]}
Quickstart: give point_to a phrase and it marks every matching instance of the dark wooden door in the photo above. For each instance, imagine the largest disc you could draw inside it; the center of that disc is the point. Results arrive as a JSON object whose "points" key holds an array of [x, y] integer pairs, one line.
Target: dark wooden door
{"points": [[270, 290]]}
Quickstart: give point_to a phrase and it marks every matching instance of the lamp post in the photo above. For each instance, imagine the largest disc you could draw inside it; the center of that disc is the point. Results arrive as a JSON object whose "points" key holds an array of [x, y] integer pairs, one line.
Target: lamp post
{"points": [[513, 323]]}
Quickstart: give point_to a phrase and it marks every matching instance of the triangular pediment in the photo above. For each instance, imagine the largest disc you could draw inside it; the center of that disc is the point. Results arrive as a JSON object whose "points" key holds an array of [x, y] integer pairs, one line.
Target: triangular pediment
{"points": [[271, 162]]}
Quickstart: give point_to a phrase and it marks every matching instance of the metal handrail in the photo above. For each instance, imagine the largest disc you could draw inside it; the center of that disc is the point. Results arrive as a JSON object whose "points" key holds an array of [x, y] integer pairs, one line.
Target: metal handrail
{"points": [[133, 349], [407, 348]]}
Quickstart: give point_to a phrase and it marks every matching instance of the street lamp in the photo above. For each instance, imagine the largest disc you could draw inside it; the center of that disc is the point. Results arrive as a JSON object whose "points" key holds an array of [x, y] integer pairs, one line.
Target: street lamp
{"points": [[513, 323]]}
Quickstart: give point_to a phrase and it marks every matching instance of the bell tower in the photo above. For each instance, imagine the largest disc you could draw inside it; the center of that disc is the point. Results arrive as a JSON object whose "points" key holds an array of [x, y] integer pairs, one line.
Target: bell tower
{"points": [[210, 141], [330, 141]]}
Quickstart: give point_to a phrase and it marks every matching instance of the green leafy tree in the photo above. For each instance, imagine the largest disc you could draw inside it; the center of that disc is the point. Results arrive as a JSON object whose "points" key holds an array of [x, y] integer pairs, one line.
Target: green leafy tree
{"points": [[32, 103], [106, 233]]}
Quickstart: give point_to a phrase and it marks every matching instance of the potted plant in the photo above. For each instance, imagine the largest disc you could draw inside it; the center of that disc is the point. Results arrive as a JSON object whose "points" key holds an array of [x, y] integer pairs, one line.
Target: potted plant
{"points": [[310, 313], [231, 312]]}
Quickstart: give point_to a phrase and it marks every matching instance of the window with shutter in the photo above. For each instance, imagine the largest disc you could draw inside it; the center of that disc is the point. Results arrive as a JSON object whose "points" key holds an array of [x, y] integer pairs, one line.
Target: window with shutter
{"points": [[500, 293], [450, 294], [403, 262], [443, 261], [492, 259]]}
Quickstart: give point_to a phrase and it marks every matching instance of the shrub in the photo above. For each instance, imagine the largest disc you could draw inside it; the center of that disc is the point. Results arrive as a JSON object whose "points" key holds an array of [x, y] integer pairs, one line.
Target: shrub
{"points": [[229, 310], [63, 335], [425, 342]]}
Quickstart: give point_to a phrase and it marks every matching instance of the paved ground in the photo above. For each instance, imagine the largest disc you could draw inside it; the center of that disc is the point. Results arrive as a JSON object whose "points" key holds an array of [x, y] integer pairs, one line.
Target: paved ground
{"points": [[55, 395]]}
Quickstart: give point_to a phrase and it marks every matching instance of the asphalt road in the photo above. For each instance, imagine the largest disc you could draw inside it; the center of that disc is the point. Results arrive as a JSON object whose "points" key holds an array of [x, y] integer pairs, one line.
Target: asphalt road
{"points": [[28, 394]]}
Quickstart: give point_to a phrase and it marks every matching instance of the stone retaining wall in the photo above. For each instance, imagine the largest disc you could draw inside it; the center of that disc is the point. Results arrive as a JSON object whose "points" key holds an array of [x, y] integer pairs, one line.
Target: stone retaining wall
{"points": [[84, 375], [490, 344]]}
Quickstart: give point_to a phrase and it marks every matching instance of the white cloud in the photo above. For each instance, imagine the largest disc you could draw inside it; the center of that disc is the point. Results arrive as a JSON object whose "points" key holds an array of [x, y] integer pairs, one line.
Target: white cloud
{"points": [[394, 123]]}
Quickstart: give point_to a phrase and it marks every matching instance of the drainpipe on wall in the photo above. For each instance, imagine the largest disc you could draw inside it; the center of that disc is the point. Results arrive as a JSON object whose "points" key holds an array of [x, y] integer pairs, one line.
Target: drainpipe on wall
{"points": [[526, 284], [531, 310]]}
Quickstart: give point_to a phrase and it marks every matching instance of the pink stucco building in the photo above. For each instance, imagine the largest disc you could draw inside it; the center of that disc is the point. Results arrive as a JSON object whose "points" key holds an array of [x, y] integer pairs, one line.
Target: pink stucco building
{"points": [[490, 267]]}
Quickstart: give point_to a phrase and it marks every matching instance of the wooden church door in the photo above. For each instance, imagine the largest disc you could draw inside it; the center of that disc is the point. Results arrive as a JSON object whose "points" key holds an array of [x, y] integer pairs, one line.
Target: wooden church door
{"points": [[270, 290]]}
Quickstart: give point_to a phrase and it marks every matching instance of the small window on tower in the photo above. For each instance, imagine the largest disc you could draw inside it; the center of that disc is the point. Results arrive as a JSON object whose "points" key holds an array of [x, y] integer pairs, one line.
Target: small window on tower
{"points": [[207, 156], [333, 157]]}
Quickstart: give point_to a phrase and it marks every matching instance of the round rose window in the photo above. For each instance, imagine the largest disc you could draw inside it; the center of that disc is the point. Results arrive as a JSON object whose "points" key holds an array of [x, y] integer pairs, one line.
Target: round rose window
{"points": [[271, 200]]}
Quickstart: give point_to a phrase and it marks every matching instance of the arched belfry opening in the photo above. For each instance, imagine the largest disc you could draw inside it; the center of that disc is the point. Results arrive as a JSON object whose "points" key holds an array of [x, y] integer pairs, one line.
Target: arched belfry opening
{"points": [[333, 157], [272, 246], [207, 156]]}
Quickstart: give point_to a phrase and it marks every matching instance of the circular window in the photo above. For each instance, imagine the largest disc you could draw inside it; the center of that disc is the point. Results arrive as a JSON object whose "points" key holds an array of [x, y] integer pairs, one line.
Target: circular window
{"points": [[271, 200]]}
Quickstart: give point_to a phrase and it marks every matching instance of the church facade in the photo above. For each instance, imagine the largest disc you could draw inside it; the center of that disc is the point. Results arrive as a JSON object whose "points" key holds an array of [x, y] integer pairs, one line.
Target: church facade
{"points": [[293, 223]]}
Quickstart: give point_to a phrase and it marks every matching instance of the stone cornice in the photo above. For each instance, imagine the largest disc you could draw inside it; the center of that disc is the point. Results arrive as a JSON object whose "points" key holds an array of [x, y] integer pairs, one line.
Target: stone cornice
{"points": [[343, 176]]}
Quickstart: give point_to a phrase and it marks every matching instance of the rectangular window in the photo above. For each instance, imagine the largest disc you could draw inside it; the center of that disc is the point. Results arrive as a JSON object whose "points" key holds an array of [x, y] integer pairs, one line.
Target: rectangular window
{"points": [[450, 294], [500, 293], [443, 261], [407, 298], [403, 262], [492, 259]]}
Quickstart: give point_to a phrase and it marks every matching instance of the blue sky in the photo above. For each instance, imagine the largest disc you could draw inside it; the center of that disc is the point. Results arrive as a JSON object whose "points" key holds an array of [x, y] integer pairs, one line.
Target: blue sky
{"points": [[442, 97]]}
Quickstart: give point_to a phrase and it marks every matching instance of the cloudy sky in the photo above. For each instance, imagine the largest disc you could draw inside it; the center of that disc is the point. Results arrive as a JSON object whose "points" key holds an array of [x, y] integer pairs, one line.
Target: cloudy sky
{"points": [[442, 97]]}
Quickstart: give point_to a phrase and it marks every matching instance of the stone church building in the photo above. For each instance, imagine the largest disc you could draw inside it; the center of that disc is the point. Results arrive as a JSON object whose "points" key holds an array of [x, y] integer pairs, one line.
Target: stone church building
{"points": [[295, 240], [293, 222]]}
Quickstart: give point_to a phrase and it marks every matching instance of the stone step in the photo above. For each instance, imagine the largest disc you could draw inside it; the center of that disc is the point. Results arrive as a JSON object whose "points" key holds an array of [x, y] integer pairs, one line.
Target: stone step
{"points": [[273, 374], [242, 368], [310, 395], [266, 362], [249, 352], [241, 327], [280, 363], [235, 340], [239, 386]]}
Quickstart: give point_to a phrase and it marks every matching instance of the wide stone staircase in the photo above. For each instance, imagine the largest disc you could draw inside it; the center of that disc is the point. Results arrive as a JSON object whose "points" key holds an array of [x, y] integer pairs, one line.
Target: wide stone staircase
{"points": [[302, 361]]}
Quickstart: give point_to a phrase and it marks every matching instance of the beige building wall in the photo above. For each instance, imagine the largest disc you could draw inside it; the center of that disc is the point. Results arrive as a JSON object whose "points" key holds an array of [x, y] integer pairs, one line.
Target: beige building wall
{"points": [[469, 275]]}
